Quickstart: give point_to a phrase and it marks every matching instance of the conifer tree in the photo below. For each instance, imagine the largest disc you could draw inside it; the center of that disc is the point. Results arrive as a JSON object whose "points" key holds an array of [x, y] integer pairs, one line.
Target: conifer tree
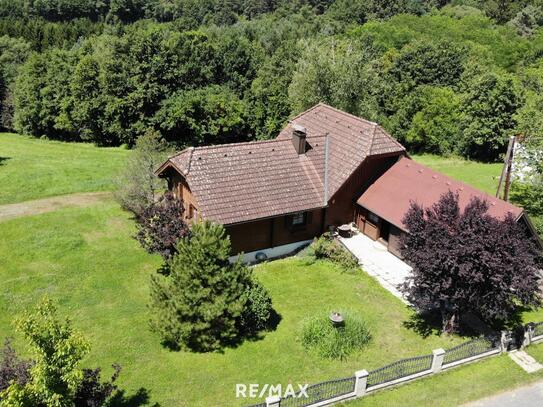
{"points": [[200, 305]]}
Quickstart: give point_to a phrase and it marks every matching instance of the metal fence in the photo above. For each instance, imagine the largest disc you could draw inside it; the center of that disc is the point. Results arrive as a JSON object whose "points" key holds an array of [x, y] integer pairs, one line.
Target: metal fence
{"points": [[469, 349], [399, 369], [406, 367], [320, 392]]}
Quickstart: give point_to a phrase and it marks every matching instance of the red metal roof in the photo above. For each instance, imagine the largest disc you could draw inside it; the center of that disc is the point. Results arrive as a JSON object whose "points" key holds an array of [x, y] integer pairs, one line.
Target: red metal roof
{"points": [[408, 181], [235, 183]]}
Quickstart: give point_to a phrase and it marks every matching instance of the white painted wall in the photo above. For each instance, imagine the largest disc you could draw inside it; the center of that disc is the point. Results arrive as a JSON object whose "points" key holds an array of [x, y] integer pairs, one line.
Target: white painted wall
{"points": [[272, 252]]}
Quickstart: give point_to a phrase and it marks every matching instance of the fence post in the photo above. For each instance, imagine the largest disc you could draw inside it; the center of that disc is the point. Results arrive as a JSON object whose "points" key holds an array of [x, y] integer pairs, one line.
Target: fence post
{"points": [[527, 336], [437, 361], [273, 401], [505, 340], [361, 382]]}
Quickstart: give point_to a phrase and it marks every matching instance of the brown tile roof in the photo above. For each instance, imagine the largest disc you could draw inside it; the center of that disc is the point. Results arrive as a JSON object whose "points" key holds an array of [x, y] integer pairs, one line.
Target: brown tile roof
{"points": [[235, 183], [352, 139], [408, 181]]}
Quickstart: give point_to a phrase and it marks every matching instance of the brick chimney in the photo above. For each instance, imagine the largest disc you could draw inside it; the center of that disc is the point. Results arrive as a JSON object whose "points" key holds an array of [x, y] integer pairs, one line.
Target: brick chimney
{"points": [[299, 135]]}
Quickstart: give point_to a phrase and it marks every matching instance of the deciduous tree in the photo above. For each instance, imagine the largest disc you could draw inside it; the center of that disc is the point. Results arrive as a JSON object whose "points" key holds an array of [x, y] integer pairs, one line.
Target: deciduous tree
{"points": [[161, 226], [467, 260]]}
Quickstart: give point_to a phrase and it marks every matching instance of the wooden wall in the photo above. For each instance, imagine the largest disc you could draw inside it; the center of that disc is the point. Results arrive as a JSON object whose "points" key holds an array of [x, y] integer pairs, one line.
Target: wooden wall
{"points": [[342, 204], [181, 190], [266, 233]]}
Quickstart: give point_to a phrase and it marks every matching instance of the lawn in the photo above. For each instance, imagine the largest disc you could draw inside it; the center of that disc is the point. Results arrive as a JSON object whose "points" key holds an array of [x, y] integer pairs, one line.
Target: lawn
{"points": [[483, 176], [31, 168], [85, 259]]}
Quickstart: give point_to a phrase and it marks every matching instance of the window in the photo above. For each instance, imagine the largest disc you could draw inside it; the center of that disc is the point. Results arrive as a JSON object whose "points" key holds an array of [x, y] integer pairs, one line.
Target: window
{"points": [[298, 219], [373, 218]]}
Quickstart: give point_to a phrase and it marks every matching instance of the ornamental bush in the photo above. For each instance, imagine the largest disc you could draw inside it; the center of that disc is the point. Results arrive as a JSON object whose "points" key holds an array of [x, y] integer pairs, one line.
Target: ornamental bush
{"points": [[330, 342], [258, 309], [325, 247]]}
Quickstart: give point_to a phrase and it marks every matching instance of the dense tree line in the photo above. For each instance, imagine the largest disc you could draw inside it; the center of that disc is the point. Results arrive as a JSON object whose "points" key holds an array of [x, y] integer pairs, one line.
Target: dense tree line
{"points": [[442, 76]]}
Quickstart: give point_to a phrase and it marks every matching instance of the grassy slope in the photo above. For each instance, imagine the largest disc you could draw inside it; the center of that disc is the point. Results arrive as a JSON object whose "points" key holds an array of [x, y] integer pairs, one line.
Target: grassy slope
{"points": [[32, 168], [86, 260]]}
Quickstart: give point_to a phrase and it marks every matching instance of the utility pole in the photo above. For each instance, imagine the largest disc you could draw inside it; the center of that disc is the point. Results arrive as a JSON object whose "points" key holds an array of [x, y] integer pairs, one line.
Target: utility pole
{"points": [[507, 169]]}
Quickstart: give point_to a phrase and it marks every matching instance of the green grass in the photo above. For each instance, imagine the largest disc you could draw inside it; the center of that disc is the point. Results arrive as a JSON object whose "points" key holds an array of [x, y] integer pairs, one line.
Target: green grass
{"points": [[85, 259], [483, 176], [31, 168], [455, 387], [536, 351]]}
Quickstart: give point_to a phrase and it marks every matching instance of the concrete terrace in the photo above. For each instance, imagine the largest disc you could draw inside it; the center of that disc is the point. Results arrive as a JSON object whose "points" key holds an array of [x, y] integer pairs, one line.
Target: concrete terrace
{"points": [[374, 258]]}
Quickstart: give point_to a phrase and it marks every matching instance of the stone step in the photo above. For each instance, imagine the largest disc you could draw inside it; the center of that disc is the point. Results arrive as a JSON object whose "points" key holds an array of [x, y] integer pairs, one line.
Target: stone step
{"points": [[525, 361]]}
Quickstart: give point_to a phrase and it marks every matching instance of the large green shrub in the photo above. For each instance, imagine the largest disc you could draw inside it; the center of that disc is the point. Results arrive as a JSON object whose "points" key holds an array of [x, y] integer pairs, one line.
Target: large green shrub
{"points": [[325, 247], [330, 342]]}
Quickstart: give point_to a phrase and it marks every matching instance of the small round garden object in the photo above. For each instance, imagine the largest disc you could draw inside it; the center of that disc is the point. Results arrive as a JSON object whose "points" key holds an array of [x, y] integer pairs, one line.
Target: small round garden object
{"points": [[336, 318], [335, 335]]}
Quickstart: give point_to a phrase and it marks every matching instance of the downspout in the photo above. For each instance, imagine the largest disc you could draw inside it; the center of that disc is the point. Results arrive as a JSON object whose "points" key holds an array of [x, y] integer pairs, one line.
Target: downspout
{"points": [[326, 152]]}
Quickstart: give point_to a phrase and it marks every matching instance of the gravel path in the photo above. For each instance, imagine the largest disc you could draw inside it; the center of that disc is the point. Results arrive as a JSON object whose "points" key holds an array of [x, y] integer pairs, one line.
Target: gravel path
{"points": [[45, 205]]}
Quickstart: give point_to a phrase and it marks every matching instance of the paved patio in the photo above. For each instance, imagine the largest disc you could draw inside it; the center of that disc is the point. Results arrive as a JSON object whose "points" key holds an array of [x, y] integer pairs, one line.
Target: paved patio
{"points": [[378, 262]]}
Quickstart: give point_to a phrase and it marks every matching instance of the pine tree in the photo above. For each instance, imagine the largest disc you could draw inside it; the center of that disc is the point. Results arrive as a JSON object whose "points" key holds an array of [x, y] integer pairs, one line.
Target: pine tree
{"points": [[200, 304]]}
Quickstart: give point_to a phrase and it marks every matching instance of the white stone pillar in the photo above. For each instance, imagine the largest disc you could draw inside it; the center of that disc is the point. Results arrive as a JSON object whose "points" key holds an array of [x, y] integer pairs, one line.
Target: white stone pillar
{"points": [[437, 361], [273, 401], [361, 382], [505, 340]]}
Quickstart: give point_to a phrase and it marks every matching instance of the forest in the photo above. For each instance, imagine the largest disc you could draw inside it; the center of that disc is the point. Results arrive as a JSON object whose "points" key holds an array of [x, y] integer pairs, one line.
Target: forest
{"points": [[446, 77]]}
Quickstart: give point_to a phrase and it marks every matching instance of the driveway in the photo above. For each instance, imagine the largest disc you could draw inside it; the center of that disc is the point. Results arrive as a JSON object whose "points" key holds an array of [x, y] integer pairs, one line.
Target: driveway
{"points": [[39, 206], [527, 396], [378, 262]]}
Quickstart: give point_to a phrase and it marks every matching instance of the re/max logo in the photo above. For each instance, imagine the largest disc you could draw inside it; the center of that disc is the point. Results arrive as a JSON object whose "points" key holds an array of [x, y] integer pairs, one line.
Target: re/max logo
{"points": [[256, 390]]}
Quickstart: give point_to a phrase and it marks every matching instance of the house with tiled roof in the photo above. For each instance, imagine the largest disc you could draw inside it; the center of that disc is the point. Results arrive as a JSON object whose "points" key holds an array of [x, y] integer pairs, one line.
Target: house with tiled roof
{"points": [[325, 168]]}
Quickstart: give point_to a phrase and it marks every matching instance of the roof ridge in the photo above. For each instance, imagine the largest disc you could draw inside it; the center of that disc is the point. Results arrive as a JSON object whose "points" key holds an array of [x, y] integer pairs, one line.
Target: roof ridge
{"points": [[180, 152], [242, 143], [346, 113], [305, 111], [372, 139], [190, 161]]}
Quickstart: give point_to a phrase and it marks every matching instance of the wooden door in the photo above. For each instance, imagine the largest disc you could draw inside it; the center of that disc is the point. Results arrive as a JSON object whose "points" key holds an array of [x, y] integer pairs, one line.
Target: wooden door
{"points": [[359, 217], [372, 226]]}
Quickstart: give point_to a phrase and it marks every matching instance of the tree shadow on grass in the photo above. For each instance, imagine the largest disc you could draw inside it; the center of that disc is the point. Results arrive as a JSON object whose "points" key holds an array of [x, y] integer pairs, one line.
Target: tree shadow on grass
{"points": [[252, 336], [3, 160], [425, 323], [428, 323], [140, 398]]}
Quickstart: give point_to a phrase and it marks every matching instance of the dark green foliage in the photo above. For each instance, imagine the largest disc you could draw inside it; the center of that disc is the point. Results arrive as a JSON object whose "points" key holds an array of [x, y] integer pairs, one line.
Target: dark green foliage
{"points": [[320, 336], [489, 107], [436, 126], [467, 260], [325, 247], [258, 309], [205, 300], [210, 115], [107, 72]]}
